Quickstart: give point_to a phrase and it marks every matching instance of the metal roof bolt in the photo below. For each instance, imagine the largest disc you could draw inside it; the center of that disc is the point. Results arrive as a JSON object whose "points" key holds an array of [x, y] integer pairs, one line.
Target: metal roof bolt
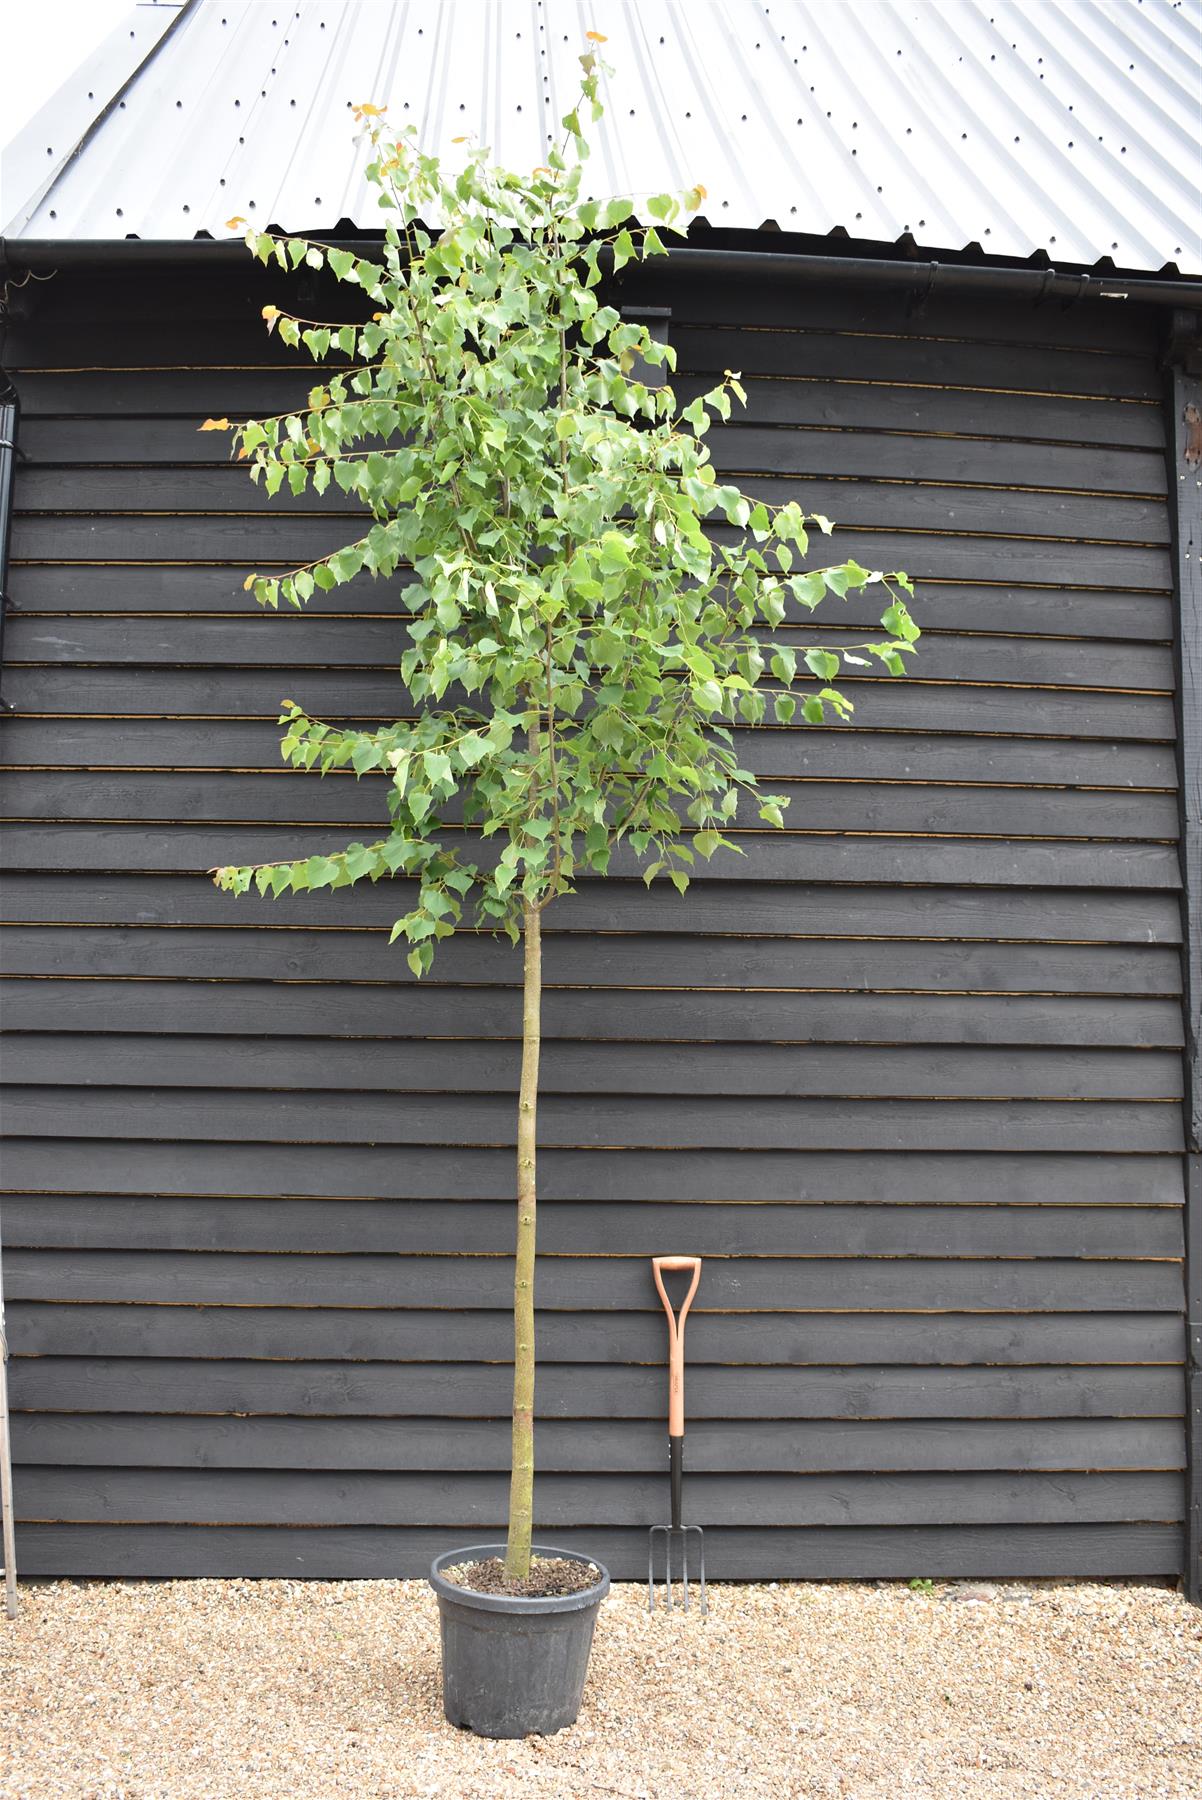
{"points": [[49, 150], [120, 212]]}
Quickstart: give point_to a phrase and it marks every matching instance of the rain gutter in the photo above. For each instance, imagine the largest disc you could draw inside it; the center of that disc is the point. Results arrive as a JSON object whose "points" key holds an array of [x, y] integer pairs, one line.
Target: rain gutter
{"points": [[1069, 287]]}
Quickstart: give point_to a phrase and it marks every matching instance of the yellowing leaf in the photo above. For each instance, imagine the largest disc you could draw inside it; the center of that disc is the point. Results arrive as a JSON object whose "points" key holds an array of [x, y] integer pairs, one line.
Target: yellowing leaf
{"points": [[249, 583], [595, 37], [271, 312], [243, 453], [367, 111], [459, 140], [234, 223], [214, 425]]}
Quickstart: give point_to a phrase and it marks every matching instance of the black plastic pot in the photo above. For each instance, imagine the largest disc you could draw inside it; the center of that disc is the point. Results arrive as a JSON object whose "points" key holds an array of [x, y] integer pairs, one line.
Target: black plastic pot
{"points": [[510, 1666]]}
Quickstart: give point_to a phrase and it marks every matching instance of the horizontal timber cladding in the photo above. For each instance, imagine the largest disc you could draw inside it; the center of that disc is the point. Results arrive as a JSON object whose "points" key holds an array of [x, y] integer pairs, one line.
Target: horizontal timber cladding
{"points": [[908, 1075]]}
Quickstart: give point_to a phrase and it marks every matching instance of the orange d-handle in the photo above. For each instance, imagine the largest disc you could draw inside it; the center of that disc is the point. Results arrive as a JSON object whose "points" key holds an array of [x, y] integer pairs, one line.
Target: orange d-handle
{"points": [[676, 1334]]}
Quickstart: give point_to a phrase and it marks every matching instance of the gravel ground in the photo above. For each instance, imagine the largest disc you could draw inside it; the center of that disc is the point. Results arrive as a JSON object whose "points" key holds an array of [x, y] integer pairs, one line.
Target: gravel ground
{"points": [[279, 1690]]}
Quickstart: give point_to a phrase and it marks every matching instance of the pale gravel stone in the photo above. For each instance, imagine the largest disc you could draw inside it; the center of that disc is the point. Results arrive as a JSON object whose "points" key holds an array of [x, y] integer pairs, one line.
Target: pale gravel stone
{"points": [[278, 1690]]}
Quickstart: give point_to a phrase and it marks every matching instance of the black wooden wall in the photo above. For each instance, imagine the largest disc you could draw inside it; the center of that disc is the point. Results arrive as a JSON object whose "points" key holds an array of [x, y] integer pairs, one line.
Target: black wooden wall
{"points": [[908, 1077]]}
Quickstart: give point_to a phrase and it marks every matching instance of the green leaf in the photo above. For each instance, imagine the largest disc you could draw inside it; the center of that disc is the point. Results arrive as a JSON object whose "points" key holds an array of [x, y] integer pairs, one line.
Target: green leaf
{"points": [[471, 749], [623, 250], [823, 663], [615, 553], [809, 589]]}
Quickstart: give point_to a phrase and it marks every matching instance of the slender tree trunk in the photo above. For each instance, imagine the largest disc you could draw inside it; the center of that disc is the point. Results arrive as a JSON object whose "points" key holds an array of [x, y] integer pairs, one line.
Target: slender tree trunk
{"points": [[521, 1489]]}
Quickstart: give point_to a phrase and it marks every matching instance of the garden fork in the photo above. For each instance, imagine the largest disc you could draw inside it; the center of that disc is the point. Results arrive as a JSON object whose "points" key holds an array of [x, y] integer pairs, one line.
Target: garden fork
{"points": [[675, 1530]]}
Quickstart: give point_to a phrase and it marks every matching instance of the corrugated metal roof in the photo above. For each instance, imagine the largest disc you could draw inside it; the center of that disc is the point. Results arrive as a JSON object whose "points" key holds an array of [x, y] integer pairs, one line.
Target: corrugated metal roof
{"points": [[1068, 126], [32, 161]]}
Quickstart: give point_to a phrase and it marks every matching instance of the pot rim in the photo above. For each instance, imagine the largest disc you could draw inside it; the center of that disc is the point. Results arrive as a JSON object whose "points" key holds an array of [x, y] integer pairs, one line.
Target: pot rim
{"points": [[516, 1603]]}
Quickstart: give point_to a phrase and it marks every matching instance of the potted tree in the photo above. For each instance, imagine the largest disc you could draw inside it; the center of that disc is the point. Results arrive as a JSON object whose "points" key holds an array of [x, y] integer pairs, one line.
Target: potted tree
{"points": [[580, 648]]}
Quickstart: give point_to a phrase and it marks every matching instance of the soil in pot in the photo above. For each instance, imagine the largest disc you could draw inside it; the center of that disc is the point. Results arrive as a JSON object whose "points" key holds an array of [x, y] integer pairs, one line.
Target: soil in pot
{"points": [[548, 1575]]}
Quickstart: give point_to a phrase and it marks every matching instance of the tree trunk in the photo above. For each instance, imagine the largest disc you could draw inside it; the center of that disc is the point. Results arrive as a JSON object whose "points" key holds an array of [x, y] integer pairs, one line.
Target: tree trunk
{"points": [[521, 1488]]}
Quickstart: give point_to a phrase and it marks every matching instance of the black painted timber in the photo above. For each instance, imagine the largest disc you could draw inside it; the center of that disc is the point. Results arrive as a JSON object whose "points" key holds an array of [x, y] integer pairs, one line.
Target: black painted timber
{"points": [[908, 1075], [1184, 452]]}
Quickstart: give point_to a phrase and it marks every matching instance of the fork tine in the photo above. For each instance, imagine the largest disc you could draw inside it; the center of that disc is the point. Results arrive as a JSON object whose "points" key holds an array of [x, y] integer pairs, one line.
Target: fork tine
{"points": [[688, 1586]]}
